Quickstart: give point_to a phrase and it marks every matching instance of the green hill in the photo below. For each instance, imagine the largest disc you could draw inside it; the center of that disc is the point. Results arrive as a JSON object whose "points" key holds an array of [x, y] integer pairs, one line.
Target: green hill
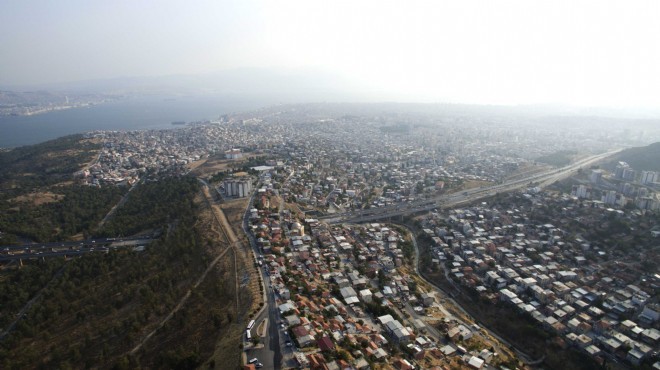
{"points": [[646, 158]]}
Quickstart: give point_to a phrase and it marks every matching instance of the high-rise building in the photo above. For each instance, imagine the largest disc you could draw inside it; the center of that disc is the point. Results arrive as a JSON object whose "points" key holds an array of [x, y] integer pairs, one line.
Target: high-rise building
{"points": [[648, 177], [596, 176], [619, 170], [629, 174], [580, 191], [238, 188], [647, 203], [627, 189], [609, 197]]}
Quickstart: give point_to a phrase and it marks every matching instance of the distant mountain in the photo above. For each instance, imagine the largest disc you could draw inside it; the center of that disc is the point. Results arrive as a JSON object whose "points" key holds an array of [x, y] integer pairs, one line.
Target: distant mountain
{"points": [[292, 85], [646, 158], [8, 98]]}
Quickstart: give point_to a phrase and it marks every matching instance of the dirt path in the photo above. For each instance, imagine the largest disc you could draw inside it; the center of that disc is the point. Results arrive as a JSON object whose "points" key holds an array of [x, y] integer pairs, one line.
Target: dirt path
{"points": [[230, 239], [32, 301], [229, 235], [181, 302], [114, 208]]}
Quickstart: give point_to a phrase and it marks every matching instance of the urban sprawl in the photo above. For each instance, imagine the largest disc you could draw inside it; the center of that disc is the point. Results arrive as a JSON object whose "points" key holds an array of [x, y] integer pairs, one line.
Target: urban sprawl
{"points": [[350, 296]]}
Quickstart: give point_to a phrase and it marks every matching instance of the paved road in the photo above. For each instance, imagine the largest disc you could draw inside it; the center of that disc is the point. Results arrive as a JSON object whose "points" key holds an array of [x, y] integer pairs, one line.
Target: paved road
{"points": [[69, 249], [88, 242], [270, 353], [467, 196]]}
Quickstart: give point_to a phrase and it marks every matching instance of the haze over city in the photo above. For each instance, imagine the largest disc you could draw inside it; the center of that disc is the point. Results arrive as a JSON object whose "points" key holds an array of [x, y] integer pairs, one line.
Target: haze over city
{"points": [[584, 53], [369, 185]]}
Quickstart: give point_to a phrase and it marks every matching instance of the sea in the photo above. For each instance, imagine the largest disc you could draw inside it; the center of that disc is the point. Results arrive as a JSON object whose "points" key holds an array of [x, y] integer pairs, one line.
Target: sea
{"points": [[134, 113]]}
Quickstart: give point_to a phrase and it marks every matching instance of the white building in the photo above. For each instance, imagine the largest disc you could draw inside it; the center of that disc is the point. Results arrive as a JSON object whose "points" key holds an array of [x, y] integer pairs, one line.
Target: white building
{"points": [[581, 191], [233, 154], [238, 188]]}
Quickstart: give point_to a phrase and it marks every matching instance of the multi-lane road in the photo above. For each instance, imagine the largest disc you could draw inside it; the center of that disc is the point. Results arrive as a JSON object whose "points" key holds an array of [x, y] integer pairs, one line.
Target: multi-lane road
{"points": [[59, 249], [450, 200], [274, 354]]}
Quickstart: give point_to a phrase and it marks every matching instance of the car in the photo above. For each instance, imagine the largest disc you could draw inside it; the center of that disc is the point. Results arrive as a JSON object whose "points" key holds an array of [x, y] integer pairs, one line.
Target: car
{"points": [[258, 365], [254, 361], [289, 344], [282, 325]]}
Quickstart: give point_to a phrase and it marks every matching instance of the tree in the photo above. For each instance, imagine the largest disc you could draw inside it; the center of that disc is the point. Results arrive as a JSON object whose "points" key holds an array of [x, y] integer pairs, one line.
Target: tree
{"points": [[382, 279]]}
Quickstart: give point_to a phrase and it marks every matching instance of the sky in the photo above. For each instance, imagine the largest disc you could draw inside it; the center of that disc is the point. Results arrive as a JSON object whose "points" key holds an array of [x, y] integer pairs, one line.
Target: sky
{"points": [[593, 53]]}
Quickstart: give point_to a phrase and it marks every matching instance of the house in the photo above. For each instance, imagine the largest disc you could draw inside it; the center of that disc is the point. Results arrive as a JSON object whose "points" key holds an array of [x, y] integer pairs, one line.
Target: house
{"points": [[593, 350], [427, 299], [397, 331], [317, 362], [366, 295], [305, 340], [325, 344], [293, 320], [361, 364], [650, 314], [453, 333], [402, 364], [347, 292], [475, 362], [448, 350], [636, 356], [651, 336], [302, 335], [286, 307], [486, 355]]}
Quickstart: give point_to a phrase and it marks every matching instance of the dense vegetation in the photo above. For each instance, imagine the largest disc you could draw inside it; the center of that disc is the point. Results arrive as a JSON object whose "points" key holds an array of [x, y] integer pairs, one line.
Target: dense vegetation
{"points": [[98, 307], [39, 202], [153, 205], [18, 287], [80, 210], [91, 311], [29, 167], [646, 158]]}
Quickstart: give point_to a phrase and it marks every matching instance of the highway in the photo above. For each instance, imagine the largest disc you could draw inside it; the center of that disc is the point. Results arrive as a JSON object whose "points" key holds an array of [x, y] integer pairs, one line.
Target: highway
{"points": [[60, 249], [454, 199]]}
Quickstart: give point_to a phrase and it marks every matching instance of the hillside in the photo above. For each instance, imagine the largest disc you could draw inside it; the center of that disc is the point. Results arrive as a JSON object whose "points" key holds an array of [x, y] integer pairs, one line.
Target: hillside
{"points": [[173, 304], [40, 202], [92, 311], [646, 158]]}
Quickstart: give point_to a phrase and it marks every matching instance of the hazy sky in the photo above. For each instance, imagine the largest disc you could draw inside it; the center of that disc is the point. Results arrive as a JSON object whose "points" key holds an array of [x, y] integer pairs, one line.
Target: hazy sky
{"points": [[578, 52]]}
